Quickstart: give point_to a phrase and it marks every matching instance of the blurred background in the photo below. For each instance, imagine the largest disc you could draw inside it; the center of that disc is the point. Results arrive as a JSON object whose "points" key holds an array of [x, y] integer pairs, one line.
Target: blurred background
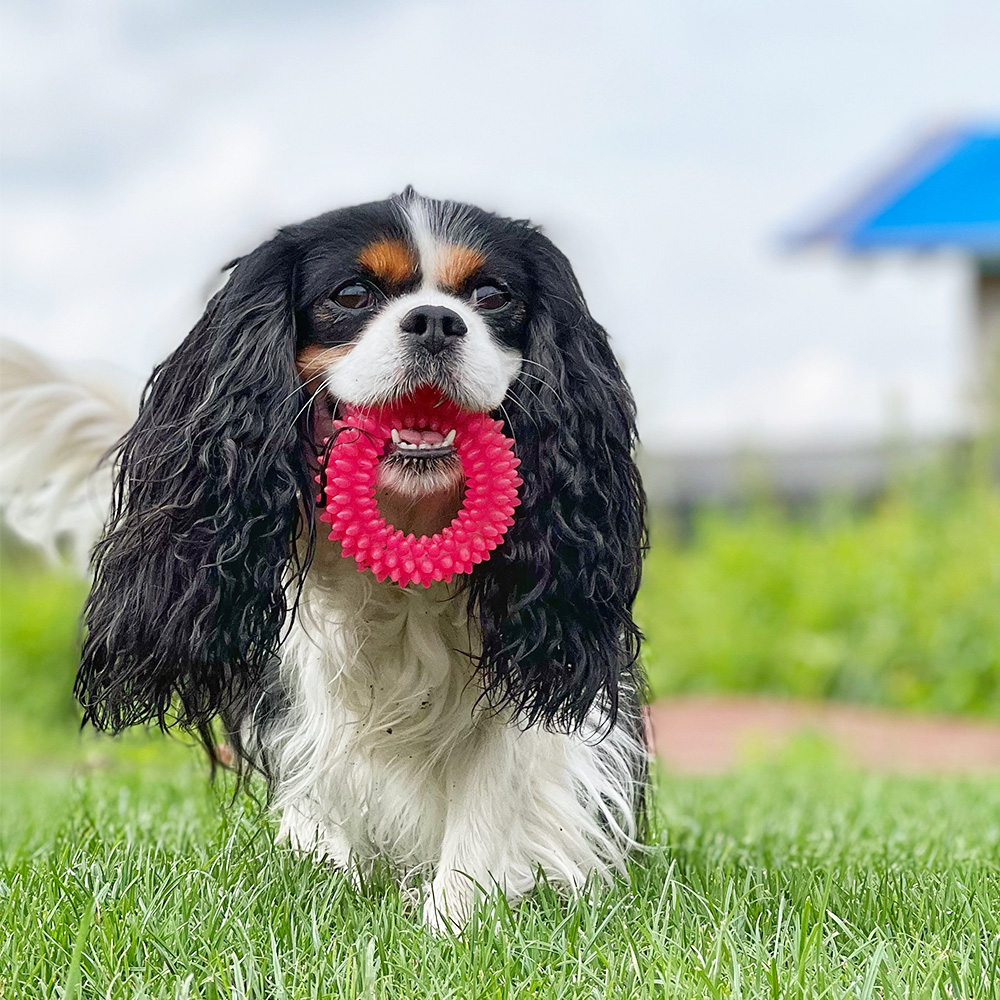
{"points": [[815, 439]]}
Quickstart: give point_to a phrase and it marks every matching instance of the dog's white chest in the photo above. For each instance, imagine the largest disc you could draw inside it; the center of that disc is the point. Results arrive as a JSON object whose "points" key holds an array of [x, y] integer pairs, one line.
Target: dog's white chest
{"points": [[382, 720], [387, 751]]}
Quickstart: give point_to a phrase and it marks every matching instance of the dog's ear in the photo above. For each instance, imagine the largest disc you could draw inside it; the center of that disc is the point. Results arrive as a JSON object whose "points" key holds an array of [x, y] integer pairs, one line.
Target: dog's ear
{"points": [[190, 578], [554, 602]]}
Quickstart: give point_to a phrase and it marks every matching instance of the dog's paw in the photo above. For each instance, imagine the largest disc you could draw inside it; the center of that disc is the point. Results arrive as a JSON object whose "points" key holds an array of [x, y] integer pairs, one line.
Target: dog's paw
{"points": [[321, 842], [449, 903]]}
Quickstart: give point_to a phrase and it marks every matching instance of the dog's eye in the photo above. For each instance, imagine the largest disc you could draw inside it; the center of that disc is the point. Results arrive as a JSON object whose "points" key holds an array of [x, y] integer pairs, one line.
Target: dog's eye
{"points": [[489, 298], [354, 296]]}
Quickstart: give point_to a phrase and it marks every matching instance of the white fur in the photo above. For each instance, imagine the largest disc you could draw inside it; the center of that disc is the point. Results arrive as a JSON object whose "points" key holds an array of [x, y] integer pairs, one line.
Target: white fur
{"points": [[373, 370]]}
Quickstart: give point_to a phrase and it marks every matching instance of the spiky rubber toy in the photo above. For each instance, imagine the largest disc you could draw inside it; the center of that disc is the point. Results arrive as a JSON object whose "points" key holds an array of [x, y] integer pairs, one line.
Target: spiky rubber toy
{"points": [[491, 482]]}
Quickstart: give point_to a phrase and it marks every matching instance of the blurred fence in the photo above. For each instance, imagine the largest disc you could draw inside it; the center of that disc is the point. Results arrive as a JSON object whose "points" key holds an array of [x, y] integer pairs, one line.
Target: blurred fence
{"points": [[683, 480]]}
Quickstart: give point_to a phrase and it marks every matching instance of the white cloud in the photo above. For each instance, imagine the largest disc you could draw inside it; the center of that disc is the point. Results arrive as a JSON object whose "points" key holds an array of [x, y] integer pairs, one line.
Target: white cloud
{"points": [[663, 147]]}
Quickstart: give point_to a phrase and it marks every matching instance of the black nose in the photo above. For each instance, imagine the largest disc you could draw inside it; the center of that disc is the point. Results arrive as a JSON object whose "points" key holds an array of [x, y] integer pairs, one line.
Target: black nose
{"points": [[433, 327]]}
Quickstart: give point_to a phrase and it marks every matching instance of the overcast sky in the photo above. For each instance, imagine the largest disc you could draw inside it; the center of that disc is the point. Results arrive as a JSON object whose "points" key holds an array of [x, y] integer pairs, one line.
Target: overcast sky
{"points": [[664, 145]]}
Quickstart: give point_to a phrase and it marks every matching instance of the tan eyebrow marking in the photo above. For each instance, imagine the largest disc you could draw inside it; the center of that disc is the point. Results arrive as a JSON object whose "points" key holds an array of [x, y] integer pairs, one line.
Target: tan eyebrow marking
{"points": [[314, 360], [391, 261], [456, 264]]}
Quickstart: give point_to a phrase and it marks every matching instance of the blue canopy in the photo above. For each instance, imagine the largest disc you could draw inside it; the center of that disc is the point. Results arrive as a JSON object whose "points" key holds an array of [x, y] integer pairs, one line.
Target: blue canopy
{"points": [[945, 193]]}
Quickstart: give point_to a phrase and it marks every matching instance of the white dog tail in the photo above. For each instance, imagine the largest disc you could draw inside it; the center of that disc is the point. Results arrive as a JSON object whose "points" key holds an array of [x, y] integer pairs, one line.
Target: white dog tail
{"points": [[58, 433]]}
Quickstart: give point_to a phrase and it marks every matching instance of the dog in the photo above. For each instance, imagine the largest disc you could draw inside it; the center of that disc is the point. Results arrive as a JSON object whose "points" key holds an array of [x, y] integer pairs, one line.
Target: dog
{"points": [[481, 732]]}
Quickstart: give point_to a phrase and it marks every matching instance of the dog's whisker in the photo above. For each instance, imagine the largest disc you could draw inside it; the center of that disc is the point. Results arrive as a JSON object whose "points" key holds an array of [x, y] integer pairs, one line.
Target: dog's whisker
{"points": [[309, 402], [538, 364], [302, 384], [510, 425], [548, 385], [522, 408], [532, 394]]}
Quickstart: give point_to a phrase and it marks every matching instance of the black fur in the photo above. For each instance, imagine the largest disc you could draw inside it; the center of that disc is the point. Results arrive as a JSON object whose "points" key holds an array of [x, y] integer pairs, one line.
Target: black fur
{"points": [[191, 592], [554, 602], [189, 602]]}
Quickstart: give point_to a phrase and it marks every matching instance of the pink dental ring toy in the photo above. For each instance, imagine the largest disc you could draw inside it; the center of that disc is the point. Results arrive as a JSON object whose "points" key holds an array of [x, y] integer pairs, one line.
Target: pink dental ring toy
{"points": [[491, 481]]}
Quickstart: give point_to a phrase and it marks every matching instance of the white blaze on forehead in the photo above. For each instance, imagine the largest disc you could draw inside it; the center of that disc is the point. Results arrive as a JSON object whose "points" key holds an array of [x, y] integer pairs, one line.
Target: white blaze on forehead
{"points": [[419, 215], [445, 239]]}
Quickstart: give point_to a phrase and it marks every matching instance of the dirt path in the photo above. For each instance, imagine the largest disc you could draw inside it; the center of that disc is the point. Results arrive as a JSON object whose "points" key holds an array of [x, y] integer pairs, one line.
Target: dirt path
{"points": [[707, 735]]}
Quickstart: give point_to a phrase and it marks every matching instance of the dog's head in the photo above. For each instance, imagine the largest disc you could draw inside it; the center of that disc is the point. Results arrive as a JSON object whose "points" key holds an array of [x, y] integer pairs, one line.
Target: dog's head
{"points": [[213, 524]]}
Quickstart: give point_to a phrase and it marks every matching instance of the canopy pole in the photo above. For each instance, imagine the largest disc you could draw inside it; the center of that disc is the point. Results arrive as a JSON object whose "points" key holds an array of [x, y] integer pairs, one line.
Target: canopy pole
{"points": [[986, 359]]}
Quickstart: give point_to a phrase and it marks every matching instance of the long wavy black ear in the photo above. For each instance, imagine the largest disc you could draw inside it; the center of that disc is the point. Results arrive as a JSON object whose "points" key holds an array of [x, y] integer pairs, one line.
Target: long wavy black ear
{"points": [[189, 595], [554, 602]]}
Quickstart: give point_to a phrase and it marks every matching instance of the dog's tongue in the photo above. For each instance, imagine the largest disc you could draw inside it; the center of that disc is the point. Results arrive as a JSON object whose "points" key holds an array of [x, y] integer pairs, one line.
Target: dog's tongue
{"points": [[413, 435]]}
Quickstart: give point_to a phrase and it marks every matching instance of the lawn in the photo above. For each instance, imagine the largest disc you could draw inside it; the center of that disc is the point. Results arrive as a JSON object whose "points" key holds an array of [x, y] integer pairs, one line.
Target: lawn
{"points": [[796, 879], [126, 874]]}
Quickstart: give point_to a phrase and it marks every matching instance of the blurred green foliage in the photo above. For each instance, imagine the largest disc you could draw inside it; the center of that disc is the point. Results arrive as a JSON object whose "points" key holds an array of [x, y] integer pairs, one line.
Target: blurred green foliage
{"points": [[39, 627], [898, 605], [39, 636]]}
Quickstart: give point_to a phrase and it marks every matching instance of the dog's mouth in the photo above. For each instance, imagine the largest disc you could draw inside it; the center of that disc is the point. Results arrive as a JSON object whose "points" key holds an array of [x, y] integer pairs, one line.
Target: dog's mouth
{"points": [[418, 489], [419, 484], [421, 444], [418, 452]]}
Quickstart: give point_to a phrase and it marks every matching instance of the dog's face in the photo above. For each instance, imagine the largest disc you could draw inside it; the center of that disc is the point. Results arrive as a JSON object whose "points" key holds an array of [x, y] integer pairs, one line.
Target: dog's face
{"points": [[406, 293], [401, 294], [214, 521]]}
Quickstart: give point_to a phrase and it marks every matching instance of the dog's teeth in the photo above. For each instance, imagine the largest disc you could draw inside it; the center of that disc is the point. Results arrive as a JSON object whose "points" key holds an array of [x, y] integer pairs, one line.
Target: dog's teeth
{"points": [[395, 436], [423, 446], [449, 438]]}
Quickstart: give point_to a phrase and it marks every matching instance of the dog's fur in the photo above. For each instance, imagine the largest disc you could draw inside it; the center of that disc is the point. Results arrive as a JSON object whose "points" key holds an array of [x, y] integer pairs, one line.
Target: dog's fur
{"points": [[483, 730]]}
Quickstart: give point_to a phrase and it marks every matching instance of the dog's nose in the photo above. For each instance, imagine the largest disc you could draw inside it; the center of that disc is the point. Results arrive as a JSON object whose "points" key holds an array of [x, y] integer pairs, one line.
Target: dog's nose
{"points": [[433, 327]]}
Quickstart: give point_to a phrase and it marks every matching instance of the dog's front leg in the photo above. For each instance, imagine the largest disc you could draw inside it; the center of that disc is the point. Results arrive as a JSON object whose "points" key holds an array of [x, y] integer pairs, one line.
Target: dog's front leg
{"points": [[512, 810]]}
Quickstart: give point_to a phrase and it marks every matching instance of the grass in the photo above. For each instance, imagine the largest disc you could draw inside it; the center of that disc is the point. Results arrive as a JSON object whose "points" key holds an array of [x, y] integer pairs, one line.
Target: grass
{"points": [[795, 880], [124, 874]]}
